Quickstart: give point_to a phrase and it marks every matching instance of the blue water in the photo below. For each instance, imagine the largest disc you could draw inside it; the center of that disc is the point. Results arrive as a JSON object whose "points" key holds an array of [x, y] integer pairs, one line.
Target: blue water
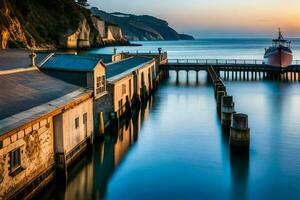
{"points": [[175, 147], [208, 48]]}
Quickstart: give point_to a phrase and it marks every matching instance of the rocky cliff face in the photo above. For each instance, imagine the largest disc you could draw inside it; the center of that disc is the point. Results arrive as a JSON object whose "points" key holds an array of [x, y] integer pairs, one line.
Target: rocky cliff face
{"points": [[10, 27], [110, 33], [47, 24], [142, 27]]}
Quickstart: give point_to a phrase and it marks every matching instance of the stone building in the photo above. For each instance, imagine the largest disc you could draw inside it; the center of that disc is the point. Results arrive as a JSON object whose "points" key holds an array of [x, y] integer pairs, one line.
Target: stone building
{"points": [[84, 71], [49, 113], [159, 56], [40, 118], [126, 79]]}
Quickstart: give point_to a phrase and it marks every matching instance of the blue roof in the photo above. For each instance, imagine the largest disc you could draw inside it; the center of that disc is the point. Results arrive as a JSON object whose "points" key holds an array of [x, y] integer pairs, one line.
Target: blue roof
{"points": [[65, 62], [116, 68], [106, 58]]}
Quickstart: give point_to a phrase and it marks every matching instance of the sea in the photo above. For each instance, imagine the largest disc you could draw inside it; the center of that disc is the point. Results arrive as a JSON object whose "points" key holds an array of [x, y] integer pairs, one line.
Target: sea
{"points": [[175, 148]]}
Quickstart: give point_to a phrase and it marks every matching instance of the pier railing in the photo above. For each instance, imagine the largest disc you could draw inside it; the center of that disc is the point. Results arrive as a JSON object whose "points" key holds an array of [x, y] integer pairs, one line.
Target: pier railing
{"points": [[220, 62]]}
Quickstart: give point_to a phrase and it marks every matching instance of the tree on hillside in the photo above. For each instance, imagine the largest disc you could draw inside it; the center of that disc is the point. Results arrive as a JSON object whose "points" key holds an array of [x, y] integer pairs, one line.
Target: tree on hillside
{"points": [[82, 3]]}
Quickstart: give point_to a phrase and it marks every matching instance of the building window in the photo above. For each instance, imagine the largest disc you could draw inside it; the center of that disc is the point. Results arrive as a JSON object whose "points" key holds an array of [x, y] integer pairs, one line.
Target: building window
{"points": [[123, 89], [77, 123], [85, 118], [100, 87], [15, 161]]}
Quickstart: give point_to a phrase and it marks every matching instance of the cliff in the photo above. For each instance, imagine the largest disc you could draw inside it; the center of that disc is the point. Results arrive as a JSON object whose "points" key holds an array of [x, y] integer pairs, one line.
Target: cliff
{"points": [[47, 24], [110, 33], [141, 27]]}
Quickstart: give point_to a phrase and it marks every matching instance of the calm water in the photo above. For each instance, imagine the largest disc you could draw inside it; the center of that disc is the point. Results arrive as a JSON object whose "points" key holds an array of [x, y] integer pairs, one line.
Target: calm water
{"points": [[175, 148], [209, 48]]}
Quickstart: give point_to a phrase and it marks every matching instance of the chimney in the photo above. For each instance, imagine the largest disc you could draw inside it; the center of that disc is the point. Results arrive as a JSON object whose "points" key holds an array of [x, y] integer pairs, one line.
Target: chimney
{"points": [[159, 50], [32, 56]]}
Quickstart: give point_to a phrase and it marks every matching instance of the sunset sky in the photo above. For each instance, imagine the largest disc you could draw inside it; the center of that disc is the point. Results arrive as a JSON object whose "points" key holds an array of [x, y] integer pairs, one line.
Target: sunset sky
{"points": [[217, 18]]}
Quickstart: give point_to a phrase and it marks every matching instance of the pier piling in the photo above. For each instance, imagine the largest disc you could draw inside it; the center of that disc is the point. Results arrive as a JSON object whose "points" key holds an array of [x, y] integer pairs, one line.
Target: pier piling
{"points": [[219, 88], [227, 110], [220, 94], [239, 132]]}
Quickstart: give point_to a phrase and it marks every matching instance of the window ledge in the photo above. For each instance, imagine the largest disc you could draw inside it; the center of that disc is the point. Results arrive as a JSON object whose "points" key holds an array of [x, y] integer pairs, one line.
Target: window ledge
{"points": [[101, 95], [16, 171]]}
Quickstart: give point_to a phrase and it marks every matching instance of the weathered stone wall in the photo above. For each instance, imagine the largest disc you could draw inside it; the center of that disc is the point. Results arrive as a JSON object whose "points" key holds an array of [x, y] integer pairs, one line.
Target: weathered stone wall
{"points": [[37, 155]]}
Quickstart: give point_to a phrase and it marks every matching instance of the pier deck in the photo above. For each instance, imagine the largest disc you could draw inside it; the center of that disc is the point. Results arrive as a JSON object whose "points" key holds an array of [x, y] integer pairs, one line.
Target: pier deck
{"points": [[225, 65]]}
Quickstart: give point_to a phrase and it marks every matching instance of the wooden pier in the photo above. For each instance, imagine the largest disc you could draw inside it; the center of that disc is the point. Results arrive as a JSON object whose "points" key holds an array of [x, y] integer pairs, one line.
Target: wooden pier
{"points": [[226, 64], [235, 69]]}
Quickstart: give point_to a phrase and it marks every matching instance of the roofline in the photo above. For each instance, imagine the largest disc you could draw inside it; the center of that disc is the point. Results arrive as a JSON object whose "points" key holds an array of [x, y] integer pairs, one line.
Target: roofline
{"points": [[18, 70], [111, 63], [99, 61], [46, 59], [75, 98], [118, 77]]}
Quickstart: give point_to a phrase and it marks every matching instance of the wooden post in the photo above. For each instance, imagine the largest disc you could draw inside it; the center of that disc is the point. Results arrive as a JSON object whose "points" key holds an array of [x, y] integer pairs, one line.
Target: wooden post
{"points": [[220, 94], [227, 111], [101, 123], [239, 132]]}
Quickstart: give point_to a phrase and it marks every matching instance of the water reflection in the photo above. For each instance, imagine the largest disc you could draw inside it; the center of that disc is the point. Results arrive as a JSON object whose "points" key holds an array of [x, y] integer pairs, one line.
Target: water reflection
{"points": [[180, 152], [89, 177], [239, 165]]}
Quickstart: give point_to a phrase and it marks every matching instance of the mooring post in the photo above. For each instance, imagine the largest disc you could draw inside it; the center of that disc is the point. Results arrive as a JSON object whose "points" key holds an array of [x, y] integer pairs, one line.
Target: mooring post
{"points": [[177, 76], [187, 77], [219, 88], [239, 132], [227, 110], [220, 94]]}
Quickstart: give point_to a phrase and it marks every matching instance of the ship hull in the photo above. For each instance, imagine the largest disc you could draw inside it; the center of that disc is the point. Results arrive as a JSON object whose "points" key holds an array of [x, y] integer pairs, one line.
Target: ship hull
{"points": [[279, 58]]}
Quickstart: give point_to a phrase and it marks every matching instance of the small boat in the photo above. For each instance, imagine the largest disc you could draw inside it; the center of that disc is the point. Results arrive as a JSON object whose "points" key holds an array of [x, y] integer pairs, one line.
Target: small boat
{"points": [[280, 53]]}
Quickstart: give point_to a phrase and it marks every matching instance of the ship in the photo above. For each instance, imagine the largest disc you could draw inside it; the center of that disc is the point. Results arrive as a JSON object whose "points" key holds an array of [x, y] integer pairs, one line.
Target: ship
{"points": [[280, 53]]}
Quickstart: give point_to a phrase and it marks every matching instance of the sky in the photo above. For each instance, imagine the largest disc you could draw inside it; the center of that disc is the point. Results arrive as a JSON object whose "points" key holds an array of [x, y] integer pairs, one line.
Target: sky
{"points": [[217, 18]]}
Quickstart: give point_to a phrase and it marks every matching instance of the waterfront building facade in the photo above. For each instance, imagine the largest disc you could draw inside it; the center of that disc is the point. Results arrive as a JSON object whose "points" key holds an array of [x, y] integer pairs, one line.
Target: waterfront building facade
{"points": [[40, 117], [51, 106], [128, 80]]}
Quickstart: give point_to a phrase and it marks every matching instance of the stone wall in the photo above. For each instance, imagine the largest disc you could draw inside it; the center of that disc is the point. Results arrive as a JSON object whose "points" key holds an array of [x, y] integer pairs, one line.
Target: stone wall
{"points": [[37, 155]]}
